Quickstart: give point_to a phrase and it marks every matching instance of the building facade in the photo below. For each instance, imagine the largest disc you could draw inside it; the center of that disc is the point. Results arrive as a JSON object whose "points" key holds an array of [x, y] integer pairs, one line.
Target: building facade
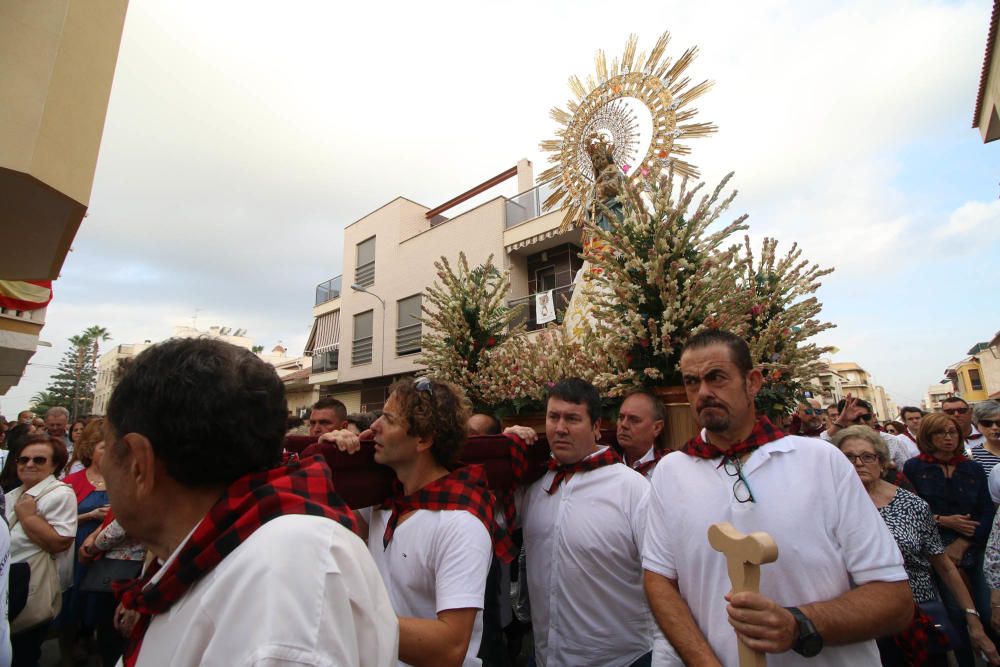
{"points": [[366, 331]]}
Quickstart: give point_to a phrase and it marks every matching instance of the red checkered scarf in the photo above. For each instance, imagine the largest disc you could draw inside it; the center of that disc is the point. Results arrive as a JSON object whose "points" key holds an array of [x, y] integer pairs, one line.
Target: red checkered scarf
{"points": [[605, 458], [646, 466], [920, 637], [518, 468], [302, 487], [954, 460], [462, 489], [763, 432]]}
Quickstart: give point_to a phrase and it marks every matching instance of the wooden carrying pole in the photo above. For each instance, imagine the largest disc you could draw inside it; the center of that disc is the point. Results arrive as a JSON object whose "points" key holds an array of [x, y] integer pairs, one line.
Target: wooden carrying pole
{"points": [[744, 556]]}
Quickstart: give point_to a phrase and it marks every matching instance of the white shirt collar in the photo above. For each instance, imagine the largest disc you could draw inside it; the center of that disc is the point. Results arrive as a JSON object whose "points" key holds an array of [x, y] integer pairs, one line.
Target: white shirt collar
{"points": [[646, 458]]}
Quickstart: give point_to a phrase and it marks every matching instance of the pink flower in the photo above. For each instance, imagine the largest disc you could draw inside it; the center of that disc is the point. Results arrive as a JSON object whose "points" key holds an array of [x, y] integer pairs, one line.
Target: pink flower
{"points": [[625, 168]]}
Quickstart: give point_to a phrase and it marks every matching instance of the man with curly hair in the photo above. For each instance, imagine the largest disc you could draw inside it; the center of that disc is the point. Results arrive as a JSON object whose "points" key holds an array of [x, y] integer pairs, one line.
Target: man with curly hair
{"points": [[434, 538], [256, 562]]}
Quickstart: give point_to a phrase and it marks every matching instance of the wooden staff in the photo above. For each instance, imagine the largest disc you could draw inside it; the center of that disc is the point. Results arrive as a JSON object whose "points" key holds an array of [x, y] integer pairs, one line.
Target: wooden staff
{"points": [[744, 556]]}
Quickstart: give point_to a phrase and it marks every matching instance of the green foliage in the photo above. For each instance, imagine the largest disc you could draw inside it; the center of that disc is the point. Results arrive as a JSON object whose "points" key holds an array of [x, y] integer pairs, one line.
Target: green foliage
{"points": [[466, 314], [72, 386]]}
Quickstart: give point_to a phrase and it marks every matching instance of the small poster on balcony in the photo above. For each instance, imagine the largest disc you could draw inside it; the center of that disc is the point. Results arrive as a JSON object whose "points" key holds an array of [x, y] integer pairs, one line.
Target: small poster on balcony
{"points": [[545, 309]]}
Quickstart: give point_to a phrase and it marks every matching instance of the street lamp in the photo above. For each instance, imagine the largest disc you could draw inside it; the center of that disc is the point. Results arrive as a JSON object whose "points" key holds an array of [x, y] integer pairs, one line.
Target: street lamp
{"points": [[381, 357]]}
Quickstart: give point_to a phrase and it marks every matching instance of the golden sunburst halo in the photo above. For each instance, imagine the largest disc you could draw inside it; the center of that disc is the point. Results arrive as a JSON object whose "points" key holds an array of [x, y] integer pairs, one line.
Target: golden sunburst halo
{"points": [[605, 105]]}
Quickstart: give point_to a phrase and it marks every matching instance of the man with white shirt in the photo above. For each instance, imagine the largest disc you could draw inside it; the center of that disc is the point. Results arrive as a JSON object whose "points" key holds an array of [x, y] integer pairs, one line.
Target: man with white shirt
{"points": [[911, 416], [641, 430], [839, 580], [583, 523], [256, 563], [958, 408]]}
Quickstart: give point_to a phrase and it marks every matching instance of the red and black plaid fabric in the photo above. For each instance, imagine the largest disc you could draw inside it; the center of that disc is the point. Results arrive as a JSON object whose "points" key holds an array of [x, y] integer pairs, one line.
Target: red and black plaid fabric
{"points": [[763, 432], [954, 460], [302, 487], [645, 467], [605, 458], [921, 638], [518, 468], [463, 489]]}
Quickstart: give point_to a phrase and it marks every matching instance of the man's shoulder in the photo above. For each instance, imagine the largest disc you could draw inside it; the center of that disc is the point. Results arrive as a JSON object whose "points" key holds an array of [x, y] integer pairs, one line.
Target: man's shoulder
{"points": [[293, 538]]}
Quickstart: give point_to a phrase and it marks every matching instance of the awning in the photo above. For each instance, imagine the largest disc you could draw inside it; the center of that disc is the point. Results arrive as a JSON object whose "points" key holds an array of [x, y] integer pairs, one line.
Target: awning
{"points": [[325, 333], [533, 239]]}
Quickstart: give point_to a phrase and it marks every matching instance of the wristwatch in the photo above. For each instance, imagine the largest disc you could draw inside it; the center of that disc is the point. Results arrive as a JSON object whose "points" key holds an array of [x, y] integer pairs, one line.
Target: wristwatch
{"points": [[809, 642]]}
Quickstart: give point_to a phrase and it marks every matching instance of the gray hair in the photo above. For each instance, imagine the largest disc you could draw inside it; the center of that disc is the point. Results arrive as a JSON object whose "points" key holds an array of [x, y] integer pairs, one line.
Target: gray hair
{"points": [[57, 411], [986, 410], [862, 432]]}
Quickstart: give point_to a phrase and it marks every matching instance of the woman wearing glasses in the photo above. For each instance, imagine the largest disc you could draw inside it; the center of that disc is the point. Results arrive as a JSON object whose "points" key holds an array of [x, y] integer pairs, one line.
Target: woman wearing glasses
{"points": [[41, 514], [910, 521], [986, 417], [956, 489]]}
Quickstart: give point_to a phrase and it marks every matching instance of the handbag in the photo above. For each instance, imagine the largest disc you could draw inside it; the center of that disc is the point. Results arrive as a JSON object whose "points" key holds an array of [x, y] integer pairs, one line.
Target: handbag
{"points": [[44, 593], [938, 614], [102, 573]]}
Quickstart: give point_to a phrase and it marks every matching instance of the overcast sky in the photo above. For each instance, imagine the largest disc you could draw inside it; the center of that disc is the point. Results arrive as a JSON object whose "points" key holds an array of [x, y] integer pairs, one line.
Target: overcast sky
{"points": [[242, 136]]}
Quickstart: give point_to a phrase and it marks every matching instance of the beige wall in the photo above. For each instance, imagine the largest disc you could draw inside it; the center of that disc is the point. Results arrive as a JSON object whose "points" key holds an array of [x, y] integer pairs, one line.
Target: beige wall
{"points": [[989, 121], [406, 248]]}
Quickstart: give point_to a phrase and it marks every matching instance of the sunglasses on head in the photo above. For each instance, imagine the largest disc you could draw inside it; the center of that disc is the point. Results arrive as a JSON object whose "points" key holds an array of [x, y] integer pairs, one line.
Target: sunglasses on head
{"points": [[37, 460], [989, 423], [955, 411]]}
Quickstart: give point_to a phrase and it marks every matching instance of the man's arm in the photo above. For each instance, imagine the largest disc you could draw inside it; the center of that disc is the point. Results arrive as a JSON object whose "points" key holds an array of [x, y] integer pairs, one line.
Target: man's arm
{"points": [[675, 620], [443, 641], [879, 608]]}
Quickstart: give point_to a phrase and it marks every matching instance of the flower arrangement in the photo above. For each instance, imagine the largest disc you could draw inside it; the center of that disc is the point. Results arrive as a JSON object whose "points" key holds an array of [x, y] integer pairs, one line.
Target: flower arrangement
{"points": [[660, 273], [465, 315]]}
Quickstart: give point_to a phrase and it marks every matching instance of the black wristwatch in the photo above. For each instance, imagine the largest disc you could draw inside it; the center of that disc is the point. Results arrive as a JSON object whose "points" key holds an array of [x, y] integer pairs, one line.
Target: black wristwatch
{"points": [[809, 642]]}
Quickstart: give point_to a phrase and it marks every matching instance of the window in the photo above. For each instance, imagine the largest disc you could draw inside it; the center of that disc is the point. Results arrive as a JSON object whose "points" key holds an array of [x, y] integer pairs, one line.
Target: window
{"points": [[361, 349], [408, 325], [364, 273], [974, 380], [545, 279]]}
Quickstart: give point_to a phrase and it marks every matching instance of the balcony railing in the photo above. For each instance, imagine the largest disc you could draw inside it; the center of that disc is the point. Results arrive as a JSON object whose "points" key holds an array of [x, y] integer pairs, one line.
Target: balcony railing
{"points": [[408, 339], [325, 360], [361, 351], [364, 275], [37, 315], [560, 298], [328, 291], [528, 204]]}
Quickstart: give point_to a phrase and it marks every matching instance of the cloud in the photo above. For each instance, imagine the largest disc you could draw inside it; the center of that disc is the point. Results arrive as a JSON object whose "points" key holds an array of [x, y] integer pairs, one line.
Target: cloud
{"points": [[973, 222]]}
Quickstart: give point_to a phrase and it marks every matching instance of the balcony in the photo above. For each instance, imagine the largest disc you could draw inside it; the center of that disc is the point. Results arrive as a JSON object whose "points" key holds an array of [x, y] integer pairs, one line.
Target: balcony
{"points": [[364, 275], [328, 291], [325, 360], [408, 340], [528, 204], [560, 297]]}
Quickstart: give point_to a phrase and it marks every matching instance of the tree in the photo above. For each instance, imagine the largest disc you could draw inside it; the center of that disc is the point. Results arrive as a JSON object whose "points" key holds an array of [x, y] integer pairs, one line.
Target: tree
{"points": [[42, 401], [72, 387]]}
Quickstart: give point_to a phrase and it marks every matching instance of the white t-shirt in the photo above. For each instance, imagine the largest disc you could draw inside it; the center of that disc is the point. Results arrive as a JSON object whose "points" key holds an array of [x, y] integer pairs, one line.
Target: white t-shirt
{"points": [[994, 484], [808, 497], [436, 560], [583, 545], [58, 507], [301, 590]]}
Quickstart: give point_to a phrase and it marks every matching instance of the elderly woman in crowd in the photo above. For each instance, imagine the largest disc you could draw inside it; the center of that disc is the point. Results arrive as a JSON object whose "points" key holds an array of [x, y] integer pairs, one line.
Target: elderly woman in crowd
{"points": [[42, 516], [986, 417], [912, 525], [955, 487]]}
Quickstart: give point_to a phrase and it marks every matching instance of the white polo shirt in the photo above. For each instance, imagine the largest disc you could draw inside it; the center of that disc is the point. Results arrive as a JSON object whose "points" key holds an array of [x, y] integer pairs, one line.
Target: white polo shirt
{"points": [[809, 499], [436, 560], [583, 545], [301, 590]]}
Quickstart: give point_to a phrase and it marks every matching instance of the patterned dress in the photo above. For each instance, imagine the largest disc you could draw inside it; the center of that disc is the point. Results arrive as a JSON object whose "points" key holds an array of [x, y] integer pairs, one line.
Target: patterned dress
{"points": [[911, 523]]}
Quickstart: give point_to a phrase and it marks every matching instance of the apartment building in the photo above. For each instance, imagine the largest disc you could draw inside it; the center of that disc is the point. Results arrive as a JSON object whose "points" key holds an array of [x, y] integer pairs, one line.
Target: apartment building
{"points": [[58, 63], [936, 393], [854, 380], [365, 330]]}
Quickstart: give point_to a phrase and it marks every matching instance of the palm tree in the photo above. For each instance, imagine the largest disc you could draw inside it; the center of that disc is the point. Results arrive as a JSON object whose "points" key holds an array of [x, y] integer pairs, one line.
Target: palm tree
{"points": [[97, 335]]}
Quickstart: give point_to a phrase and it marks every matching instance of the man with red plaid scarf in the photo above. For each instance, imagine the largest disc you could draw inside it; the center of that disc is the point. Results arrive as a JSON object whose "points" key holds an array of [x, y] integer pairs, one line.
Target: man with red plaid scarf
{"points": [[583, 524], [256, 563], [433, 540], [839, 579]]}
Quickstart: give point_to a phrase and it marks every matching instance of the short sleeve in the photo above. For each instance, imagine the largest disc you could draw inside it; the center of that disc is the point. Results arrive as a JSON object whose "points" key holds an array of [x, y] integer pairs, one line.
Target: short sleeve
{"points": [[657, 548], [58, 508], [994, 485], [463, 554]]}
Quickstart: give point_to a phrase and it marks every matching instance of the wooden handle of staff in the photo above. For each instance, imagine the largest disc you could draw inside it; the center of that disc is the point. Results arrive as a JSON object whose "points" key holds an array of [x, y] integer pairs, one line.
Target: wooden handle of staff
{"points": [[744, 556]]}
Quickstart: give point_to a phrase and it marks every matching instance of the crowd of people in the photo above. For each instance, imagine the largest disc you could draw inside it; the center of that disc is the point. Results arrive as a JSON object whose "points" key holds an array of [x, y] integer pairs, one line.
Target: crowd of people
{"points": [[223, 549]]}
